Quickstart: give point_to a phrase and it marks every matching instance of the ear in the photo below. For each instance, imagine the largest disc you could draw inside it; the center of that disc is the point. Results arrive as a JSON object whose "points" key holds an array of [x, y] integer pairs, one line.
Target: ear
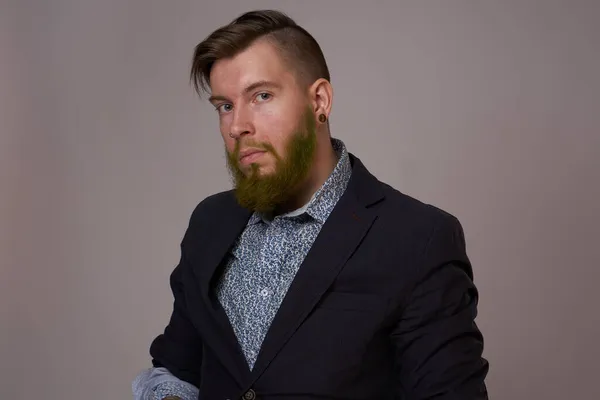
{"points": [[321, 96]]}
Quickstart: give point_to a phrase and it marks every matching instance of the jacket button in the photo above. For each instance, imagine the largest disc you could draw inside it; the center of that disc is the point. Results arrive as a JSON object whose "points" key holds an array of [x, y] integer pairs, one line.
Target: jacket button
{"points": [[250, 395]]}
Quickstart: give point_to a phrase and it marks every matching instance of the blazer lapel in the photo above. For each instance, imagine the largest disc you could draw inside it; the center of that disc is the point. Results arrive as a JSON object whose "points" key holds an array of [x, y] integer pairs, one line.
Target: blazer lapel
{"points": [[341, 234], [210, 257]]}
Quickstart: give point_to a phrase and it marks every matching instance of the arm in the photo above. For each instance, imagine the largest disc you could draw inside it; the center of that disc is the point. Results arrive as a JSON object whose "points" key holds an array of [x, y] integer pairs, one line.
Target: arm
{"points": [[176, 354], [437, 343]]}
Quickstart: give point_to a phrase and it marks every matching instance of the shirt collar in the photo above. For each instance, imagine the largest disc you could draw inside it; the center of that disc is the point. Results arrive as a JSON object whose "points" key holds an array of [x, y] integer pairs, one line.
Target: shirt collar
{"points": [[324, 200]]}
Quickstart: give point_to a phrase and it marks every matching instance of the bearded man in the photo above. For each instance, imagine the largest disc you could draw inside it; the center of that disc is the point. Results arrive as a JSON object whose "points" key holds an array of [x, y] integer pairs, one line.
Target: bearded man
{"points": [[310, 279]]}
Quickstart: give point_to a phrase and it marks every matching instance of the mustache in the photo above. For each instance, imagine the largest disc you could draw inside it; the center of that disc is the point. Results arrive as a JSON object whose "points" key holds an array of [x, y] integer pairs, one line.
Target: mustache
{"points": [[250, 144]]}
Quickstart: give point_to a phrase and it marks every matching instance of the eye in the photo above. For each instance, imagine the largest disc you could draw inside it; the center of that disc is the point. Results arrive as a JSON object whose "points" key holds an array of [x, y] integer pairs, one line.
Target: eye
{"points": [[224, 108], [263, 96]]}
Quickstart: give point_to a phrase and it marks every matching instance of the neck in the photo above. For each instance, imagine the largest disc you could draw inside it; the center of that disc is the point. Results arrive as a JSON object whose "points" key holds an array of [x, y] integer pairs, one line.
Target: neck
{"points": [[325, 161]]}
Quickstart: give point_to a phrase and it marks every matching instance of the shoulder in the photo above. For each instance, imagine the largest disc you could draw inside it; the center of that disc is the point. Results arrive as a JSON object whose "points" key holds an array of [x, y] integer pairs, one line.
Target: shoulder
{"points": [[401, 206], [406, 219], [209, 213], [397, 211], [214, 205]]}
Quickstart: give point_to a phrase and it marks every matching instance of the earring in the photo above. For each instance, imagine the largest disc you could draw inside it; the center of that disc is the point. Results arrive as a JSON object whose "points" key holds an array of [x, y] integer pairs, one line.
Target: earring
{"points": [[322, 118]]}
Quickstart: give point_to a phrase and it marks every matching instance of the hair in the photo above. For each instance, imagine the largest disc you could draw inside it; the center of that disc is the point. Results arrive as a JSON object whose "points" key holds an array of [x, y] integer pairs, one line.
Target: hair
{"points": [[296, 46]]}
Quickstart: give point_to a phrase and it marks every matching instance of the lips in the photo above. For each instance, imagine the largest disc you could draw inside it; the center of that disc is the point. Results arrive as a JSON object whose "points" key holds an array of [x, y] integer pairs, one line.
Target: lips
{"points": [[249, 155]]}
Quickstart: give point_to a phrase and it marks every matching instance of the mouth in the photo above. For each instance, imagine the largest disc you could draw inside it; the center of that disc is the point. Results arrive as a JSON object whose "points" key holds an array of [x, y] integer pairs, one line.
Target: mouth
{"points": [[251, 155]]}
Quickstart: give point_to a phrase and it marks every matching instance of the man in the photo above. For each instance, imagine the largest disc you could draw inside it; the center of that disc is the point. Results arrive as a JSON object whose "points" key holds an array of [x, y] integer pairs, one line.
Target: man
{"points": [[311, 279]]}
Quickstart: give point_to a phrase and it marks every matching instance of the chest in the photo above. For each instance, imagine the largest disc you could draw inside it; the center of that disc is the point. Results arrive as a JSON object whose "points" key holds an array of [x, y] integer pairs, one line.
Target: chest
{"points": [[263, 263], [266, 251]]}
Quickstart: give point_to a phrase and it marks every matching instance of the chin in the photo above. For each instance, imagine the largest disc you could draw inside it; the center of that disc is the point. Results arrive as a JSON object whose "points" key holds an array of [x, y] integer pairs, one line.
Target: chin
{"points": [[263, 170]]}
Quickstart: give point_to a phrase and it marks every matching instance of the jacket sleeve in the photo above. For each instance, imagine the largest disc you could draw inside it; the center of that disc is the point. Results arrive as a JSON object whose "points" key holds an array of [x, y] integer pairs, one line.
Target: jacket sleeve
{"points": [[179, 347], [438, 347]]}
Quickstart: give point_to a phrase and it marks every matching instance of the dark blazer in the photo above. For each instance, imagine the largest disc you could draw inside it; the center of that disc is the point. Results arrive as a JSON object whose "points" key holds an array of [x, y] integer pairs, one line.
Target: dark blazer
{"points": [[383, 307]]}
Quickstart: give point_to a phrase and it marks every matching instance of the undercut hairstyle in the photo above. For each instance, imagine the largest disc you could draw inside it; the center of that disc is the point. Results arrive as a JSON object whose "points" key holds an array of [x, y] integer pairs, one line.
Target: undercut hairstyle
{"points": [[295, 45]]}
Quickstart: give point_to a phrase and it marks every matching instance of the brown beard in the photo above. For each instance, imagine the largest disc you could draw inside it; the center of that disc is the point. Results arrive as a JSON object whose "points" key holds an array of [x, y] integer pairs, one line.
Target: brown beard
{"points": [[265, 193]]}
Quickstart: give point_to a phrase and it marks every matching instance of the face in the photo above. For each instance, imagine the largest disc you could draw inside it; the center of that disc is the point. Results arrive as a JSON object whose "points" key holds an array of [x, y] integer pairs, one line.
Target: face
{"points": [[267, 124]]}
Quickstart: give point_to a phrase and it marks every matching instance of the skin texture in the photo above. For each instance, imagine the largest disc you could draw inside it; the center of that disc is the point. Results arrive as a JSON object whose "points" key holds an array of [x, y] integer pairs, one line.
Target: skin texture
{"points": [[263, 105]]}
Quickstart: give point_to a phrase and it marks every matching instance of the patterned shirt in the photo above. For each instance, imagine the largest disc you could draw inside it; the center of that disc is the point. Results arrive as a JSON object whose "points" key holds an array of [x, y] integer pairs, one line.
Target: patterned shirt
{"points": [[259, 270], [267, 255]]}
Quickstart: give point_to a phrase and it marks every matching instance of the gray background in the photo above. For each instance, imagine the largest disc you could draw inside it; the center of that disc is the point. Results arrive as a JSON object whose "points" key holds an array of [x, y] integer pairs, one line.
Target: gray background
{"points": [[488, 109]]}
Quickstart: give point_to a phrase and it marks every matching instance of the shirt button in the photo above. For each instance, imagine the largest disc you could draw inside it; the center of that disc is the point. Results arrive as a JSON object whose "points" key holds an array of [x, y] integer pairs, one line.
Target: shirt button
{"points": [[265, 292], [250, 395]]}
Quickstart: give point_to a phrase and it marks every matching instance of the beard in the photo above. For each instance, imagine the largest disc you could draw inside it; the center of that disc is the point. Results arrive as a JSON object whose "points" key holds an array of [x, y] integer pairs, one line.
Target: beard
{"points": [[264, 193]]}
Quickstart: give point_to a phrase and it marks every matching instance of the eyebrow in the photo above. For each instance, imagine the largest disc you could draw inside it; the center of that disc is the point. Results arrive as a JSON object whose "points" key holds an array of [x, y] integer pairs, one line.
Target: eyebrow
{"points": [[248, 89]]}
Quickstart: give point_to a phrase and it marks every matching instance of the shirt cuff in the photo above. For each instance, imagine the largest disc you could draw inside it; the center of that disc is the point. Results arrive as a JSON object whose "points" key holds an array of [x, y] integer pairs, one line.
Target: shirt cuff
{"points": [[157, 383], [181, 389]]}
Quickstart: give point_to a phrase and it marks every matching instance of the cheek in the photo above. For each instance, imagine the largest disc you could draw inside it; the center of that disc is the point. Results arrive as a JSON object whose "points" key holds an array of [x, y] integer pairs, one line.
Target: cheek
{"points": [[227, 140], [224, 128], [229, 143], [275, 129]]}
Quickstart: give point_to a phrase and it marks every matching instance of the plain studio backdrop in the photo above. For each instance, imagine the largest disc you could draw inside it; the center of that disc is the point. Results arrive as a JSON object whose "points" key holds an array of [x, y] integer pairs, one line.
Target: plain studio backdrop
{"points": [[487, 109]]}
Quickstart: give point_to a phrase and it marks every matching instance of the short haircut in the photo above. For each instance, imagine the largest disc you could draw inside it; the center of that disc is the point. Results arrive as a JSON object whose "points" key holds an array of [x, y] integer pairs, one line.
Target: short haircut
{"points": [[296, 46]]}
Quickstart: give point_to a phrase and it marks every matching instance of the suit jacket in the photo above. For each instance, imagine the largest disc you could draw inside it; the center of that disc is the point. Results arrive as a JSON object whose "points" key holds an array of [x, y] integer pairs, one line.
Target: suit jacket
{"points": [[382, 307]]}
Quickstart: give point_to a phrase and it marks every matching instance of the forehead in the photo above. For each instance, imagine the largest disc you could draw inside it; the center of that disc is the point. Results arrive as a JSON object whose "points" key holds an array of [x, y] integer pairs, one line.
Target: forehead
{"points": [[260, 61]]}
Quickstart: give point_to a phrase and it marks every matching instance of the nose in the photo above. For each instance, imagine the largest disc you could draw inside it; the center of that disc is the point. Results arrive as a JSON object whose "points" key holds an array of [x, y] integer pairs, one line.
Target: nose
{"points": [[241, 124]]}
